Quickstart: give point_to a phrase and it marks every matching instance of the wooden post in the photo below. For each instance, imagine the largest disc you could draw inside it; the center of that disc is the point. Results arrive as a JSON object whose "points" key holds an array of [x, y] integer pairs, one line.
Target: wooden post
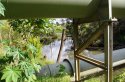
{"points": [[61, 46]]}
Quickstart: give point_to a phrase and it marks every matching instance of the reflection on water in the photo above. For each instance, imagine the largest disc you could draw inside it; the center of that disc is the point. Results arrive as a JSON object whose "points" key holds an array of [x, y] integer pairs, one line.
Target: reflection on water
{"points": [[51, 51]]}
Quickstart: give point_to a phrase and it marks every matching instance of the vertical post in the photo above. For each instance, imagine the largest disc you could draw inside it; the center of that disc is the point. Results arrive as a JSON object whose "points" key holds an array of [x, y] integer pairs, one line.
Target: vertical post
{"points": [[108, 44], [61, 46], [76, 61], [108, 37]]}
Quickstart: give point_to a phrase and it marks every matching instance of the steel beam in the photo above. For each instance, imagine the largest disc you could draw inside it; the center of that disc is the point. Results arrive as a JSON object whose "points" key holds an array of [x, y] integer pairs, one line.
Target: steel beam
{"points": [[91, 61], [79, 49], [76, 45], [93, 37], [108, 37], [108, 44]]}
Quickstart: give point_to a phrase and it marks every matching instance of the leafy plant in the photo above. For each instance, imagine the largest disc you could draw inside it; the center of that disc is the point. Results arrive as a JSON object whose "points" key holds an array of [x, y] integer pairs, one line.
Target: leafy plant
{"points": [[2, 9], [35, 27], [28, 71], [61, 72], [21, 62], [20, 57], [43, 28], [11, 74]]}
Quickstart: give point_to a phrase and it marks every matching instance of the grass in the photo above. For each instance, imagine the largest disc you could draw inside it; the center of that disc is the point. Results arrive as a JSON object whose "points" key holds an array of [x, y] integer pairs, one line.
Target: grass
{"points": [[118, 76], [97, 79], [54, 79]]}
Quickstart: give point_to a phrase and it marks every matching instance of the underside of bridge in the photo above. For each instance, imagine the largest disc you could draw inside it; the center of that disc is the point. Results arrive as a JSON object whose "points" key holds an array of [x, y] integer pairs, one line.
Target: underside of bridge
{"points": [[82, 11]]}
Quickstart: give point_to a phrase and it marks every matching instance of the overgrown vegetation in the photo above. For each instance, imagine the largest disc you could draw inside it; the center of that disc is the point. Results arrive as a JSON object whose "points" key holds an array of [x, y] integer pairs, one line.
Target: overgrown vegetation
{"points": [[43, 28], [21, 57]]}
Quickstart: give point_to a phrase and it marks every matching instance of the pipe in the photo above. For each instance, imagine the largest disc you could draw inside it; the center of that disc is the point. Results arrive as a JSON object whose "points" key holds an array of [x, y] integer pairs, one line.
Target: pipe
{"points": [[118, 8], [49, 8], [97, 70], [53, 69], [89, 10]]}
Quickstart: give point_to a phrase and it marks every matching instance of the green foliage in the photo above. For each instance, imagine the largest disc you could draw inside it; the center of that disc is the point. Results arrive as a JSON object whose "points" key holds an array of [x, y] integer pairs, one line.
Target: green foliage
{"points": [[13, 52], [19, 61], [2, 9], [35, 27], [18, 55], [31, 48], [61, 72], [85, 30], [28, 71], [94, 80], [120, 78], [43, 28], [11, 74]]}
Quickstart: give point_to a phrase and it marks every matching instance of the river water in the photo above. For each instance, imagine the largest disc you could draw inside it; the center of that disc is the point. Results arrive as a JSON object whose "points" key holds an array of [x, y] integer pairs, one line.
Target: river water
{"points": [[51, 51]]}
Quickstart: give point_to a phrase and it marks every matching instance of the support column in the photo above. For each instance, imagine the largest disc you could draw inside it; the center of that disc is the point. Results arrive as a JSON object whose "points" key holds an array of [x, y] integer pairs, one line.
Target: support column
{"points": [[108, 37], [108, 46], [76, 60]]}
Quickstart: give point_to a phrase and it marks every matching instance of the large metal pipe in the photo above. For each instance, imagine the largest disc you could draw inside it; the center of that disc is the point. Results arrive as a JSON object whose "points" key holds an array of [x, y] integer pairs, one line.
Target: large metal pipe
{"points": [[49, 8], [53, 69], [118, 8], [62, 8]]}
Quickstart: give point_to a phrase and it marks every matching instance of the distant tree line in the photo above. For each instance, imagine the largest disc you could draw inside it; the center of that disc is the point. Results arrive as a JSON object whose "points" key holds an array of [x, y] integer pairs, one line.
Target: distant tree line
{"points": [[86, 29]]}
